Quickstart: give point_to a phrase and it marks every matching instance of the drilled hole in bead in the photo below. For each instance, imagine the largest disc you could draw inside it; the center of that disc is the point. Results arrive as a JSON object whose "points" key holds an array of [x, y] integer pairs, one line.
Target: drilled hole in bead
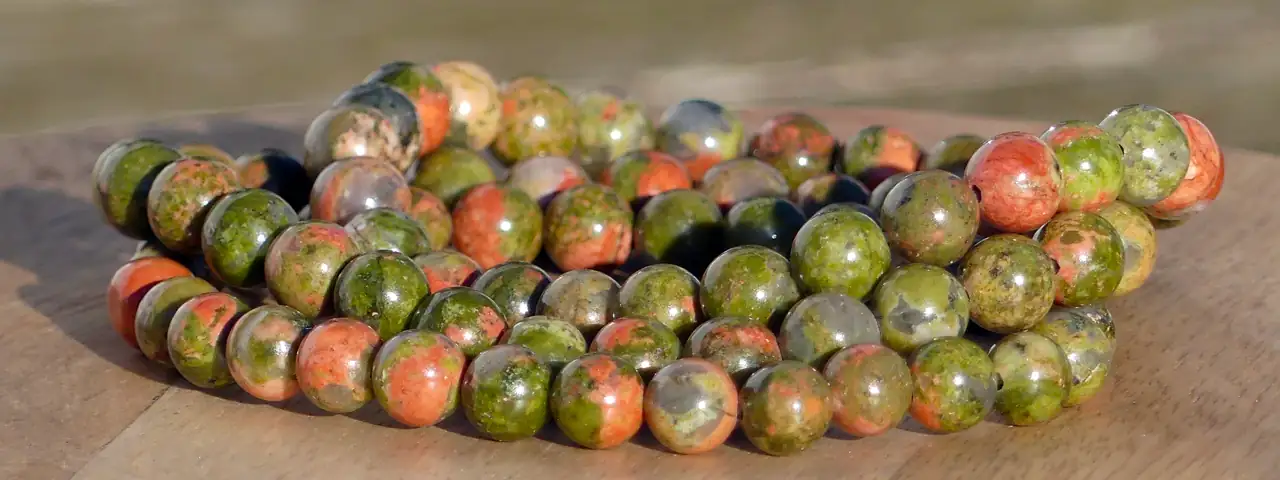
{"points": [[1056, 267], [977, 192], [999, 382]]}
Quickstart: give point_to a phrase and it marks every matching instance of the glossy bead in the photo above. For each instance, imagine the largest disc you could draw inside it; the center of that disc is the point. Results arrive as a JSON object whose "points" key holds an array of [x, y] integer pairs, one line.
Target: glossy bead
{"points": [[700, 133], [878, 152], [930, 217], [494, 225], [1088, 346], [1089, 253], [1205, 173], [770, 222], [797, 144], [823, 324], [644, 344], [349, 187], [751, 282], [738, 345], [542, 178], [917, 303], [955, 385], [870, 389], [586, 298], [588, 226], [416, 377], [1034, 378], [840, 251], [681, 227], [1156, 152], [1017, 182], [743, 179], [828, 188], [785, 408], [1139, 239], [609, 126], [1091, 162], [333, 365], [691, 406], [505, 393], [952, 153], [663, 293], [1010, 281], [538, 119]]}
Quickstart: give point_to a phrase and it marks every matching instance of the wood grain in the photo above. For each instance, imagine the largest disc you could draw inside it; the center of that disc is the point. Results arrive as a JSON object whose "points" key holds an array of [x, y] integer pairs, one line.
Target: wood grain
{"points": [[1191, 395]]}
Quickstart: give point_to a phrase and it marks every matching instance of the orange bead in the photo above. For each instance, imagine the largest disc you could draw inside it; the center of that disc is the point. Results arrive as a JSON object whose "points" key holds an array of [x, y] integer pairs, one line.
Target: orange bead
{"points": [[130, 283]]}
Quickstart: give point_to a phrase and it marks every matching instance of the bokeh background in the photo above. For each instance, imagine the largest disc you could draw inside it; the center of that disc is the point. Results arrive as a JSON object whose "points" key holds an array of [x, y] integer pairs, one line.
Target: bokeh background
{"points": [[66, 63]]}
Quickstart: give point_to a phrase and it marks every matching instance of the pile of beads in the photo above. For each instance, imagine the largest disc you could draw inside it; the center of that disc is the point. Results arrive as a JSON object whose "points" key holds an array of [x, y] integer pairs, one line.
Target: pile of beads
{"points": [[540, 258]]}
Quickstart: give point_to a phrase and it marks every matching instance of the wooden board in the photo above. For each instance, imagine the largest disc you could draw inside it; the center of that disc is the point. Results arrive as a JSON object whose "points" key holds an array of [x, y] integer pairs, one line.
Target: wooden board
{"points": [[1191, 395]]}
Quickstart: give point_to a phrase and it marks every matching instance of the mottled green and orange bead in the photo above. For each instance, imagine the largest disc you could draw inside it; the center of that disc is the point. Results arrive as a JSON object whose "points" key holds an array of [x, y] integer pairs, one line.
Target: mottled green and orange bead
{"points": [[382, 289], [399, 108], [841, 251], [646, 345], [1091, 162], [237, 232], [262, 351], [334, 362], [1010, 281], [463, 314], [430, 100], [955, 385], [505, 393], [822, 324], [432, 215], [588, 226], [156, 311], [1035, 378], [797, 144], [1156, 152], [180, 198], [750, 281], [664, 293], [877, 152], [738, 345], [303, 263], [742, 179], [700, 133], [917, 303], [350, 131], [785, 408], [449, 172], [122, 179], [598, 401], [388, 229], [516, 287], [555, 342], [473, 104], [610, 125], [930, 217], [1089, 348], [691, 406], [197, 338], [1089, 253], [542, 178], [1138, 236], [681, 227], [1203, 181], [586, 298], [447, 268], [871, 389], [346, 188], [494, 224], [416, 376], [639, 175], [538, 119]]}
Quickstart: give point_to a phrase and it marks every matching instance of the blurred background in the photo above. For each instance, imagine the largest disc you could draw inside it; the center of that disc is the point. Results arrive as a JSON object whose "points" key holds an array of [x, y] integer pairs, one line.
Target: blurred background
{"points": [[66, 63]]}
